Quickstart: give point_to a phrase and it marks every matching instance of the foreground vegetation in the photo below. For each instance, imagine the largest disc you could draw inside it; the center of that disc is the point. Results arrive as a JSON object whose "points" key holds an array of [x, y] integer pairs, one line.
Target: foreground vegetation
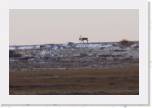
{"points": [[122, 80]]}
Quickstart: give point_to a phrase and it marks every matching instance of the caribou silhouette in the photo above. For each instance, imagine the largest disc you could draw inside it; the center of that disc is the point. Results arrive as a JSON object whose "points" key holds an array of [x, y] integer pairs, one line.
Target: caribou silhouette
{"points": [[83, 39]]}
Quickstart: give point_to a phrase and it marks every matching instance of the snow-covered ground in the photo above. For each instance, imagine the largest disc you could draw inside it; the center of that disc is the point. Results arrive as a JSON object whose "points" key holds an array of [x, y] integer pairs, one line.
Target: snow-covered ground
{"points": [[71, 54], [61, 46]]}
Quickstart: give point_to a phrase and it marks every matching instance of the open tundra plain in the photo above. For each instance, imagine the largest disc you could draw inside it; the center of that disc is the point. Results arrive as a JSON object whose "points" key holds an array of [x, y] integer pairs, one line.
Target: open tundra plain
{"points": [[107, 68]]}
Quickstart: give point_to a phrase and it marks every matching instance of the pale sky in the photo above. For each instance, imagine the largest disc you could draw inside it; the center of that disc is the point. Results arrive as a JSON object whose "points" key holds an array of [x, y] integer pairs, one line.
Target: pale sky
{"points": [[28, 27]]}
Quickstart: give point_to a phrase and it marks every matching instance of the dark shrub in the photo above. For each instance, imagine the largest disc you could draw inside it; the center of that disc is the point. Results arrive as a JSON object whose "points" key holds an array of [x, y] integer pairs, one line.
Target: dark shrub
{"points": [[126, 43], [13, 53], [71, 44]]}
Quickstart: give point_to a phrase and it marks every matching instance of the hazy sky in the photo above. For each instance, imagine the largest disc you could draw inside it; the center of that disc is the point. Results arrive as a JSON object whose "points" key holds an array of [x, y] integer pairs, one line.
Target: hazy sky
{"points": [[61, 26]]}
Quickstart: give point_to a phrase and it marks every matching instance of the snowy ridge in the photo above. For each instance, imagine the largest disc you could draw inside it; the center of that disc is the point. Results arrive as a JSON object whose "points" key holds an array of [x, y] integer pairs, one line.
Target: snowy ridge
{"points": [[71, 55], [67, 45]]}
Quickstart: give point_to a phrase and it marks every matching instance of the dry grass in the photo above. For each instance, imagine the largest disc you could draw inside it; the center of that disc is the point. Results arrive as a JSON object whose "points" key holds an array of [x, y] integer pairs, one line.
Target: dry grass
{"points": [[114, 81]]}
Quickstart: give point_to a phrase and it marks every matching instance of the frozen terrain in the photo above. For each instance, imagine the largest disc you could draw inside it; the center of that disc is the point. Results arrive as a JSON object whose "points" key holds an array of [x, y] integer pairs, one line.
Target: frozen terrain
{"points": [[74, 55]]}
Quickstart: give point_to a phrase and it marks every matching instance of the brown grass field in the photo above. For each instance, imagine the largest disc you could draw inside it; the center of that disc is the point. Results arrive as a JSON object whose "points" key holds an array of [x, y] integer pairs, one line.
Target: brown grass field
{"points": [[108, 81]]}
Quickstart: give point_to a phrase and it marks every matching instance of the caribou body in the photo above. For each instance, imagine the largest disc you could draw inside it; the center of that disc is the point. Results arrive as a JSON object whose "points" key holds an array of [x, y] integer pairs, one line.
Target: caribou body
{"points": [[83, 39]]}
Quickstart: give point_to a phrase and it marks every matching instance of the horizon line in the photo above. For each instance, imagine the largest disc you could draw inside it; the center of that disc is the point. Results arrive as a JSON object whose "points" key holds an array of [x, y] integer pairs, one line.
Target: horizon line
{"points": [[72, 42]]}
